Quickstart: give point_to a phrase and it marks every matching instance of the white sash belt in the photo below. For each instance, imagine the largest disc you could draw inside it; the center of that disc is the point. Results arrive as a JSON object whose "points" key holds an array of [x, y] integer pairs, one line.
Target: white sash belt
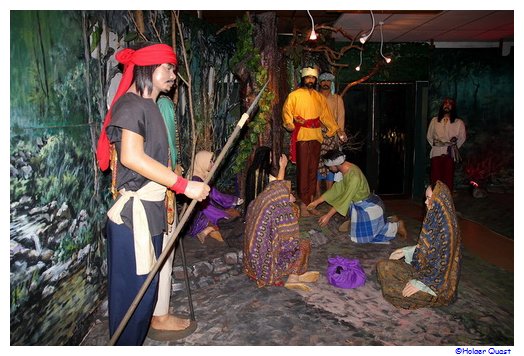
{"points": [[144, 251]]}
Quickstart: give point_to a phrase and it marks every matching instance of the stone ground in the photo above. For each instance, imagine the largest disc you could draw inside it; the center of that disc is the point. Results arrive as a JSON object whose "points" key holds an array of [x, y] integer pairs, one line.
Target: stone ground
{"points": [[231, 310]]}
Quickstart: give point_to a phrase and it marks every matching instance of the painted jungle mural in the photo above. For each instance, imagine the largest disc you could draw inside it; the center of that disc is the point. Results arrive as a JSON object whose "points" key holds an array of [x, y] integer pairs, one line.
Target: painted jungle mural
{"points": [[57, 249], [63, 75]]}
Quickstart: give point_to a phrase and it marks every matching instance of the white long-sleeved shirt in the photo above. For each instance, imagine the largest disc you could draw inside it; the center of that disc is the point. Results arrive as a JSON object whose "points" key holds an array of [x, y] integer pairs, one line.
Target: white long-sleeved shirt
{"points": [[444, 131]]}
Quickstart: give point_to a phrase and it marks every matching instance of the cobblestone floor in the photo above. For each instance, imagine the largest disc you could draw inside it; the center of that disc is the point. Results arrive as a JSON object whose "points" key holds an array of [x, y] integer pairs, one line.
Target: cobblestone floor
{"points": [[231, 310]]}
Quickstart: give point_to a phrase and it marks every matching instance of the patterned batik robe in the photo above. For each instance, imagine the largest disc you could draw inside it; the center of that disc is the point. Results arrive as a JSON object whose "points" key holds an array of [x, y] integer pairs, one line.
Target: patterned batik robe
{"points": [[273, 248], [435, 262]]}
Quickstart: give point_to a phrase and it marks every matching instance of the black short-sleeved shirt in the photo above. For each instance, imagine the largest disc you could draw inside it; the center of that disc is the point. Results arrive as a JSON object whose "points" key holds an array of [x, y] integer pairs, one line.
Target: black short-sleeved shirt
{"points": [[142, 116]]}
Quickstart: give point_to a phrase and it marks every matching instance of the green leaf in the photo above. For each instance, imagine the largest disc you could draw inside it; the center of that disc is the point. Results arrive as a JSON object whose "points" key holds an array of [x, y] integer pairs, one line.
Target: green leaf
{"points": [[130, 36], [95, 37]]}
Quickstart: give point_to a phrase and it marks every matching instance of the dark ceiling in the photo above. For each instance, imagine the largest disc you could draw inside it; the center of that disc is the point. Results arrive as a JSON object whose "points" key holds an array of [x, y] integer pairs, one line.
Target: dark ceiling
{"points": [[398, 25]]}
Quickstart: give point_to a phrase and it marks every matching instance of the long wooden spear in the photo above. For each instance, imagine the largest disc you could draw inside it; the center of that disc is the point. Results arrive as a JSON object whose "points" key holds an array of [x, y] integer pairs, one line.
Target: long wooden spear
{"points": [[183, 220]]}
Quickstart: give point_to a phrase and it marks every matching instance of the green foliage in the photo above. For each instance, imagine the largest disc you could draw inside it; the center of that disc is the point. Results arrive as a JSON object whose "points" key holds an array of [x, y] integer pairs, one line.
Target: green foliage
{"points": [[131, 36], [71, 90], [250, 56], [39, 63], [294, 54], [19, 295], [62, 170], [62, 173], [69, 245], [19, 188], [244, 47], [208, 54], [95, 37]]}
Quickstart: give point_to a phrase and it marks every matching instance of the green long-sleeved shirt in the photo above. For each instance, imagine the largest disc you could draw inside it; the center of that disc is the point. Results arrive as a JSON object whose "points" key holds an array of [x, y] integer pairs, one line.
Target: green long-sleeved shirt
{"points": [[167, 109], [353, 187]]}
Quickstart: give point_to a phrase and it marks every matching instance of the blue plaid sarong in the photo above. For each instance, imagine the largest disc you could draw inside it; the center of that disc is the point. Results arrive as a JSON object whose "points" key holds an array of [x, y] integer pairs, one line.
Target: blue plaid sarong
{"points": [[368, 223]]}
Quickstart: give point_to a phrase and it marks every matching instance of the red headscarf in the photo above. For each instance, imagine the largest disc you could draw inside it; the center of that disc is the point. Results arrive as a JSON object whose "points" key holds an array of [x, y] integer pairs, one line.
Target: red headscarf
{"points": [[150, 55]]}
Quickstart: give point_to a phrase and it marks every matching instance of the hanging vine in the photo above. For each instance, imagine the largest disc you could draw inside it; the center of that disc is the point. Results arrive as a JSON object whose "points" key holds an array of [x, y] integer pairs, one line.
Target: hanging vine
{"points": [[248, 58]]}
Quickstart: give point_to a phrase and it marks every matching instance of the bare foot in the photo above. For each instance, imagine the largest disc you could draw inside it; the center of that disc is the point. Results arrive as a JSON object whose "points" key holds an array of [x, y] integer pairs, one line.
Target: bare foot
{"points": [[169, 322], [401, 231], [303, 211], [202, 234], [216, 235], [393, 218], [292, 278], [309, 277], [298, 286], [344, 227]]}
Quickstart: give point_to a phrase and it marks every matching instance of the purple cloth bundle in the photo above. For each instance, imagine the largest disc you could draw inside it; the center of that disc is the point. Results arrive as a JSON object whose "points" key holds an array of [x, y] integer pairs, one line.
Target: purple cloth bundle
{"points": [[345, 273]]}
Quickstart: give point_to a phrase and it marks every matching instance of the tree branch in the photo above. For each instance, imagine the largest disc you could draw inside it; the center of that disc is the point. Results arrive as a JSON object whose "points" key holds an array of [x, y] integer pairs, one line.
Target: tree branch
{"points": [[138, 22], [226, 27], [152, 21], [189, 91], [371, 73]]}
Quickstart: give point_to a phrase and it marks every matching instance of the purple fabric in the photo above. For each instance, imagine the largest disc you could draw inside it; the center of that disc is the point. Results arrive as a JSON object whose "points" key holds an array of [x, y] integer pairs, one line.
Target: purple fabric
{"points": [[345, 273], [211, 209]]}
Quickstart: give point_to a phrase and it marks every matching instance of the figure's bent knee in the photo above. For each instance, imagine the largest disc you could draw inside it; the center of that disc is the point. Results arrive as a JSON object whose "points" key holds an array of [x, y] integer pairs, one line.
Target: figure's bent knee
{"points": [[382, 267]]}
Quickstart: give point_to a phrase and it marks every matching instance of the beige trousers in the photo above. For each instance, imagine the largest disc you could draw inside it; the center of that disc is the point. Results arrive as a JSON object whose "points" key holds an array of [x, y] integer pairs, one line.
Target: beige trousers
{"points": [[164, 279]]}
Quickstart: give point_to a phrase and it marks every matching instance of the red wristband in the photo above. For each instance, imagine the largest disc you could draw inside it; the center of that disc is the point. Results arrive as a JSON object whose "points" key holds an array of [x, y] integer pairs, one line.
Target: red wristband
{"points": [[180, 186]]}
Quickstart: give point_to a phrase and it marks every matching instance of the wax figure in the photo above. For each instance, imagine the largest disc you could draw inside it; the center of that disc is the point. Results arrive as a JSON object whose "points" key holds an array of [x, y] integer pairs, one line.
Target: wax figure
{"points": [[427, 274], [137, 219]]}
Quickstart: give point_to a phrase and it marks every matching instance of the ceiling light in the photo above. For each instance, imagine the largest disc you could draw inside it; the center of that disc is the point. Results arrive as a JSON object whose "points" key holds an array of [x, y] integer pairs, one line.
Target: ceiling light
{"points": [[357, 68], [387, 59], [363, 39], [313, 35]]}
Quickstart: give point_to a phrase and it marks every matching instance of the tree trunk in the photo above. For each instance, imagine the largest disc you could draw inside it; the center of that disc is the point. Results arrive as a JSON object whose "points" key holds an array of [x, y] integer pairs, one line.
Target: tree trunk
{"points": [[266, 41], [173, 30], [139, 19]]}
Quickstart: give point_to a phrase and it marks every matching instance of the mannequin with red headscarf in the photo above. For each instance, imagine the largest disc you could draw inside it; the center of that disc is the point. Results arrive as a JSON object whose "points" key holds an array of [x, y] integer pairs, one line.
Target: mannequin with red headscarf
{"points": [[137, 219]]}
